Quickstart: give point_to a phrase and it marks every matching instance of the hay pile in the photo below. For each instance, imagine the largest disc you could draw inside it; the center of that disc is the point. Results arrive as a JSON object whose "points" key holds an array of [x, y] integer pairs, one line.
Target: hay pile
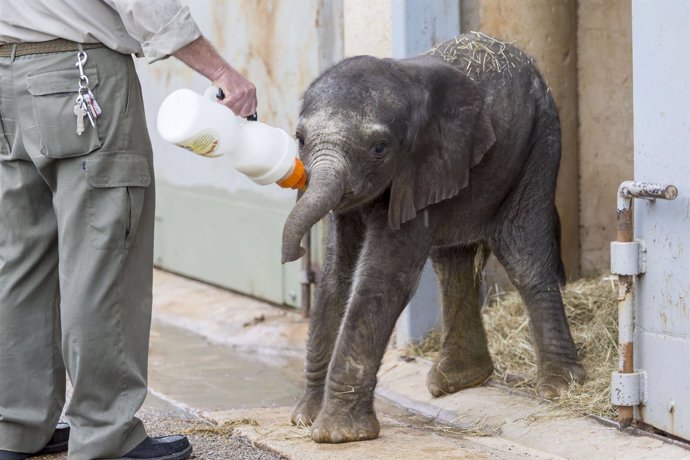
{"points": [[477, 53], [592, 312], [226, 429]]}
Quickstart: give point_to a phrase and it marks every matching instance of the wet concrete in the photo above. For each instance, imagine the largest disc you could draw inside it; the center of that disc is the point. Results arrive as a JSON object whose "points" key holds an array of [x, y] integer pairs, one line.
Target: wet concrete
{"points": [[227, 318], [188, 370]]}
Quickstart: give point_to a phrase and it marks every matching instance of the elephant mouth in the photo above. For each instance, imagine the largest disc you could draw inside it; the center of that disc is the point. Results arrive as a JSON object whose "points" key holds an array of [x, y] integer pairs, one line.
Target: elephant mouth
{"points": [[350, 201], [346, 199]]}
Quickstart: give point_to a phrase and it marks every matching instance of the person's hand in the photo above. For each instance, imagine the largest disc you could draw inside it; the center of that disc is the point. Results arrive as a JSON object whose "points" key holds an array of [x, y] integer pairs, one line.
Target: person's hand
{"points": [[240, 93]]}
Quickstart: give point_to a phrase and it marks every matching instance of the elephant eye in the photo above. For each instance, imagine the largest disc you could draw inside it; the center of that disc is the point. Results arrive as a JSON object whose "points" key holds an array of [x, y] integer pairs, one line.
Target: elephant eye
{"points": [[300, 139], [378, 149]]}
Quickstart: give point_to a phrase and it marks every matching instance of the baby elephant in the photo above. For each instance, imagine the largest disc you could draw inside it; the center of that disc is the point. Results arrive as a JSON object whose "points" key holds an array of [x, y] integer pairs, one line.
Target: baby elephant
{"points": [[440, 155]]}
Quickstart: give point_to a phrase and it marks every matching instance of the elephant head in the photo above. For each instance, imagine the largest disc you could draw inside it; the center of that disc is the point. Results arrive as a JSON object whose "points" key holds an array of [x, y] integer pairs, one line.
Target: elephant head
{"points": [[367, 125]]}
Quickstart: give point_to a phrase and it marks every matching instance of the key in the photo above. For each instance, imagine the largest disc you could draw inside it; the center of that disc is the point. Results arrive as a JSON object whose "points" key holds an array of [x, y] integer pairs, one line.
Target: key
{"points": [[85, 108], [89, 107], [96, 108], [82, 103], [79, 112]]}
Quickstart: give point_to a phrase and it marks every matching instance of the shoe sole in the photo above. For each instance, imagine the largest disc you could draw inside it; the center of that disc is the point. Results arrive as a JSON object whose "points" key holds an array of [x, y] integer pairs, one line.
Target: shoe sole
{"points": [[182, 455], [53, 448]]}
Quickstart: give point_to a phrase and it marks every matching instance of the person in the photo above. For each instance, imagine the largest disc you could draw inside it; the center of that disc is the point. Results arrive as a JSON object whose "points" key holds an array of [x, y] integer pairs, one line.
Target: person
{"points": [[76, 219]]}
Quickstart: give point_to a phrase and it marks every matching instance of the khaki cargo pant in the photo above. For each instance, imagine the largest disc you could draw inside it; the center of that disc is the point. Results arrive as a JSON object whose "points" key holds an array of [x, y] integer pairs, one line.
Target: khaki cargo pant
{"points": [[76, 251]]}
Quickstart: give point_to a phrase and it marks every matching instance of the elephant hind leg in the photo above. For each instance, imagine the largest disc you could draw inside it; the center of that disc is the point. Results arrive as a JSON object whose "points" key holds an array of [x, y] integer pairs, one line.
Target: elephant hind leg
{"points": [[557, 233], [526, 243], [464, 360]]}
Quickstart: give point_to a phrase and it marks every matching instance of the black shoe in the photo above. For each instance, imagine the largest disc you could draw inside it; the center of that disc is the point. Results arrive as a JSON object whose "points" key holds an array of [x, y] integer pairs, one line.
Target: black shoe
{"points": [[175, 447], [58, 443], [7, 455]]}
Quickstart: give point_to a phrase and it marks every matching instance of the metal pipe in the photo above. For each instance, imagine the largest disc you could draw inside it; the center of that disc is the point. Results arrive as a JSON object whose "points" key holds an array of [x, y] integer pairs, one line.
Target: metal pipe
{"points": [[626, 301], [626, 293], [307, 275]]}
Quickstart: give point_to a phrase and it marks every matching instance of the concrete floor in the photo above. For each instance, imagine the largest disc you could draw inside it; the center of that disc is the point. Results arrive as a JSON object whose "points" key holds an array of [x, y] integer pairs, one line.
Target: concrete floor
{"points": [[209, 377], [226, 370], [480, 422]]}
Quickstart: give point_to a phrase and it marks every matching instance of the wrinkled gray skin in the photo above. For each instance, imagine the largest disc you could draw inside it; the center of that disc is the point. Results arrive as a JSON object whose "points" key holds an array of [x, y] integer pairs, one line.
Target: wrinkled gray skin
{"points": [[416, 158]]}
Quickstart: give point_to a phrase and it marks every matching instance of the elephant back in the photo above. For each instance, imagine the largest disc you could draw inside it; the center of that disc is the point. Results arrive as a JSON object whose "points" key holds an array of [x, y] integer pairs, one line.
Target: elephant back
{"points": [[482, 57]]}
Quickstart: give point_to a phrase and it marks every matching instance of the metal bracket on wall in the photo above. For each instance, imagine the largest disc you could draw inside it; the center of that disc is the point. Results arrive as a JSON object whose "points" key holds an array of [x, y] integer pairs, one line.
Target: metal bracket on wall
{"points": [[306, 277], [629, 389], [628, 258]]}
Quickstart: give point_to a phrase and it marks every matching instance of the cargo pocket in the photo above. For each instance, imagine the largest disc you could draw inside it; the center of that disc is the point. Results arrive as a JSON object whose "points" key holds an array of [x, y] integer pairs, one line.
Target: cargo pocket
{"points": [[4, 144], [118, 184], [54, 93]]}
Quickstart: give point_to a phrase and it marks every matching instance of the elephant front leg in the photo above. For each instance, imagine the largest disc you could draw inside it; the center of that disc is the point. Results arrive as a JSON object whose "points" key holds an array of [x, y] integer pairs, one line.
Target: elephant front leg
{"points": [[464, 359], [344, 240], [386, 276]]}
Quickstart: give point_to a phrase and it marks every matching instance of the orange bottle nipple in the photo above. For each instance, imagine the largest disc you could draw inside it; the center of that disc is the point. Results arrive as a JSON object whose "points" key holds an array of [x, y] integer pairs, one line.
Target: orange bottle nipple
{"points": [[297, 179]]}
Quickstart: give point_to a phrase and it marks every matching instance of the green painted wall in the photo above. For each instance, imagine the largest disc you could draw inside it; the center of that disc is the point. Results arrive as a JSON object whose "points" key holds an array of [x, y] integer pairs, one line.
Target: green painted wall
{"points": [[229, 239]]}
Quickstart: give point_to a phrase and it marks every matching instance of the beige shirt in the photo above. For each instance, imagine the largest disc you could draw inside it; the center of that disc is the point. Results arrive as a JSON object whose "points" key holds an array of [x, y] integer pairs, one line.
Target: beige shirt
{"points": [[152, 28]]}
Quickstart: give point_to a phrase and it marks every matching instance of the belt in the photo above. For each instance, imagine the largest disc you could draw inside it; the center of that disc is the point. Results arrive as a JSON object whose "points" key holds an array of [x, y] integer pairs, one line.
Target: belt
{"points": [[58, 45]]}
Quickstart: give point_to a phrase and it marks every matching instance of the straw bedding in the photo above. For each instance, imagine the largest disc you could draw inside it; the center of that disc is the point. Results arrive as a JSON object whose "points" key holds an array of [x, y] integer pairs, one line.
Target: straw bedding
{"points": [[592, 312]]}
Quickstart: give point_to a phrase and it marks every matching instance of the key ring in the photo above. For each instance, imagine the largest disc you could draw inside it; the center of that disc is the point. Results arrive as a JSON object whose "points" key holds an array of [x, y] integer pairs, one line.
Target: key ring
{"points": [[81, 60], [82, 57]]}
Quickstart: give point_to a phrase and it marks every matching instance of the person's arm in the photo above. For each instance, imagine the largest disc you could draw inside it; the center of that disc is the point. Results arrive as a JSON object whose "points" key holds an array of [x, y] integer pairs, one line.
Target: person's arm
{"points": [[161, 26], [240, 93], [165, 27]]}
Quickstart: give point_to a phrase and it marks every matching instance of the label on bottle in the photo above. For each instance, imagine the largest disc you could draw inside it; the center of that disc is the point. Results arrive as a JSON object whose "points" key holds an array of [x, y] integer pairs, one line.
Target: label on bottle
{"points": [[202, 143]]}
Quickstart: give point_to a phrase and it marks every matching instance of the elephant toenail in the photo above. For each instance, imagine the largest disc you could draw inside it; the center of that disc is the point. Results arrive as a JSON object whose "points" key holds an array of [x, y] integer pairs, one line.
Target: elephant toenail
{"points": [[337, 436]]}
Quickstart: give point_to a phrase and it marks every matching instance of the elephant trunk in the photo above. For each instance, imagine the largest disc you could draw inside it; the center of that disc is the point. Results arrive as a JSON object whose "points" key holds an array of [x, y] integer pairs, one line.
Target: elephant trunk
{"points": [[323, 193]]}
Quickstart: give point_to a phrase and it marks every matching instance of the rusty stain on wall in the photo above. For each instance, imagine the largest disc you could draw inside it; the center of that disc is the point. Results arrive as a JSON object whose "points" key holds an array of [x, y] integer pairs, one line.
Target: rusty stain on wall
{"points": [[547, 32], [283, 70], [220, 21], [280, 45]]}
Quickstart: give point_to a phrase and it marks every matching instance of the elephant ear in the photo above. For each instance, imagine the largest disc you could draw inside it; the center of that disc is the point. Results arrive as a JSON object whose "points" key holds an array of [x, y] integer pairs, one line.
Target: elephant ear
{"points": [[449, 133]]}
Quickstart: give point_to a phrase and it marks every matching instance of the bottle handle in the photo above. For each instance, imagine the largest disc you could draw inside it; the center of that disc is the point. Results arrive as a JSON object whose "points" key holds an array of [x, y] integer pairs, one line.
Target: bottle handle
{"points": [[215, 93]]}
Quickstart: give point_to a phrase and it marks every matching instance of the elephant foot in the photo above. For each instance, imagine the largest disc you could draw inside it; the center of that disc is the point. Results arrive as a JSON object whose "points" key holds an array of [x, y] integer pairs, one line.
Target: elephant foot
{"points": [[449, 376], [555, 377], [345, 426], [307, 408]]}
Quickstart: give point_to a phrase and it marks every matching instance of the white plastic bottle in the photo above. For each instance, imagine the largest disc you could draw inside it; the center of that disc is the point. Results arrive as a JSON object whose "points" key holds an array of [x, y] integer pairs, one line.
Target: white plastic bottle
{"points": [[200, 124]]}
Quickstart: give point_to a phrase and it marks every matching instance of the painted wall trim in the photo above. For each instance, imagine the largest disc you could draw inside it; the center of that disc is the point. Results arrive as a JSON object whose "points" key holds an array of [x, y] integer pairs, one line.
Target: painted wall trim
{"points": [[416, 26]]}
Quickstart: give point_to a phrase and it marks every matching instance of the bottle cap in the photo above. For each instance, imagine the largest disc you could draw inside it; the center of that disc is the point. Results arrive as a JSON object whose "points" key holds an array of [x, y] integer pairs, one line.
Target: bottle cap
{"points": [[297, 179]]}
